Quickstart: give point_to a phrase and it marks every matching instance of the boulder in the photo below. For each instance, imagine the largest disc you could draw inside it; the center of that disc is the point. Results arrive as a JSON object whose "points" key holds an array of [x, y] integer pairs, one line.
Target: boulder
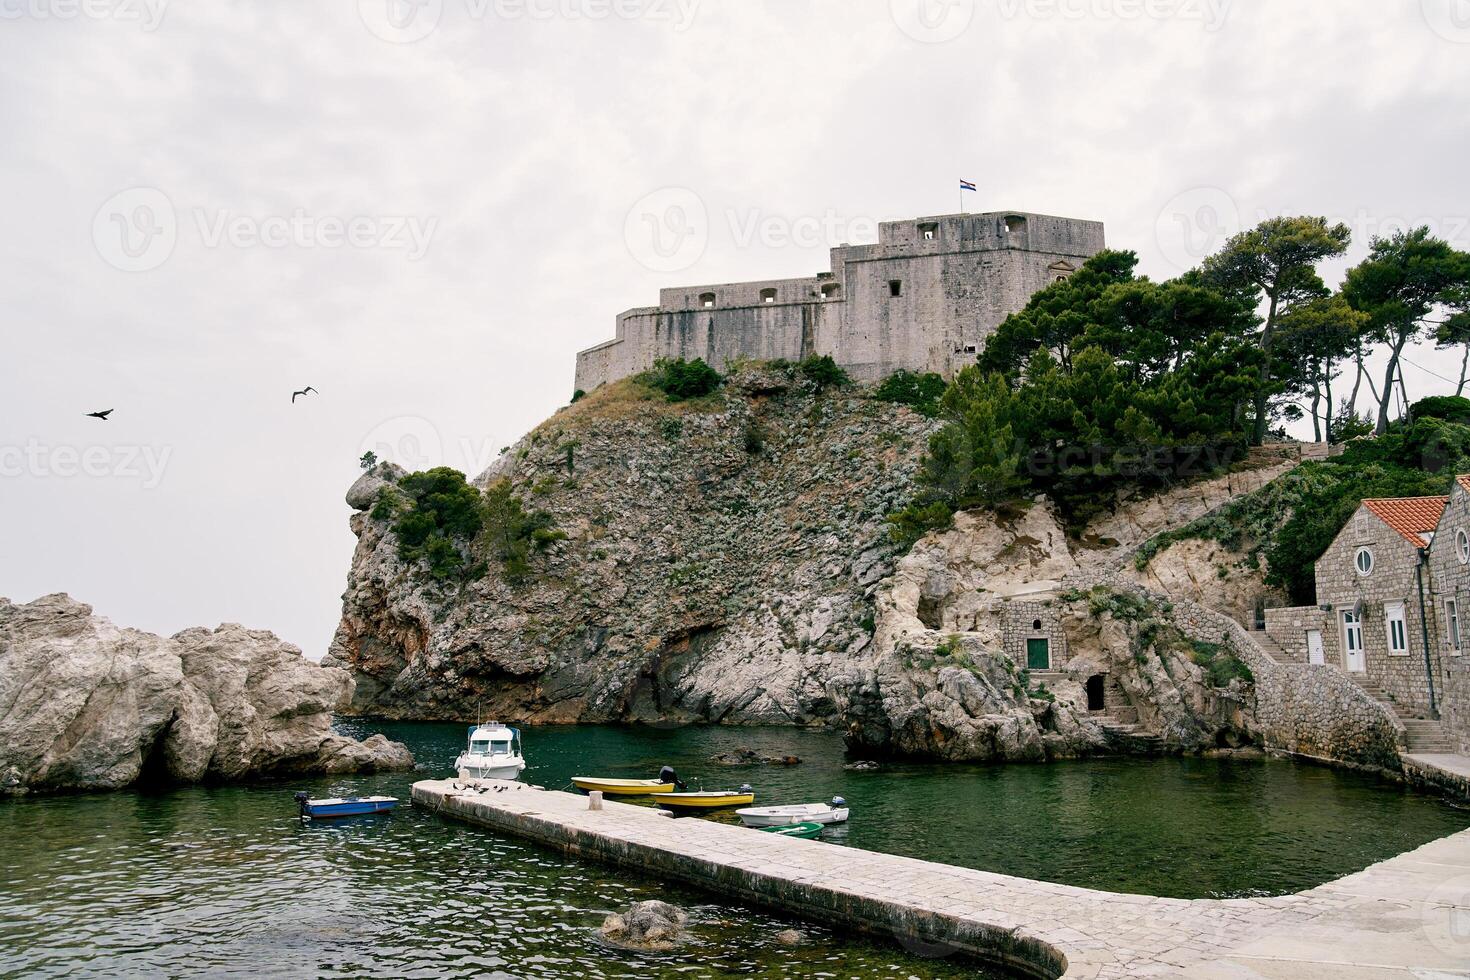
{"points": [[87, 705], [647, 925], [363, 493], [750, 757]]}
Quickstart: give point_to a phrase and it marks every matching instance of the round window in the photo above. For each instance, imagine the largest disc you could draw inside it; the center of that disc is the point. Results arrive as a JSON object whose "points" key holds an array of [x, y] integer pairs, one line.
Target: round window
{"points": [[1462, 545], [1364, 561]]}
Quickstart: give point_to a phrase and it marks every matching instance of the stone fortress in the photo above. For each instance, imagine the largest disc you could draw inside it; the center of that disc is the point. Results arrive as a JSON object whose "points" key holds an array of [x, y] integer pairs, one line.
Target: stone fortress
{"points": [[924, 298]]}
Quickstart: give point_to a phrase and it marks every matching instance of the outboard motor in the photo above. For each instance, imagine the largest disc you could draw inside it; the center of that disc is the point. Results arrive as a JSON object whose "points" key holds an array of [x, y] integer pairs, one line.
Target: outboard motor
{"points": [[747, 788], [668, 775], [838, 803], [301, 799]]}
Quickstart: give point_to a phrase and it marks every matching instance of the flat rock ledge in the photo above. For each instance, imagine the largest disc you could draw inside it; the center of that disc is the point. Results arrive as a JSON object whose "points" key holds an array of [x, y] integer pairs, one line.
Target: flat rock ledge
{"points": [[86, 705]]}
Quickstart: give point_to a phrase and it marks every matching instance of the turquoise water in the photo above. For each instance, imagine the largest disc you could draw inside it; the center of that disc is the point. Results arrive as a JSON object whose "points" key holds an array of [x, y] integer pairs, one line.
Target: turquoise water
{"points": [[226, 880]]}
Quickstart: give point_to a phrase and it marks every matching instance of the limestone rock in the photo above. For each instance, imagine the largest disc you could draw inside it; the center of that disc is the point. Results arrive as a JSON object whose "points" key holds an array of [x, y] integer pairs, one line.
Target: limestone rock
{"points": [[701, 581], [713, 575], [87, 705], [651, 925], [364, 492]]}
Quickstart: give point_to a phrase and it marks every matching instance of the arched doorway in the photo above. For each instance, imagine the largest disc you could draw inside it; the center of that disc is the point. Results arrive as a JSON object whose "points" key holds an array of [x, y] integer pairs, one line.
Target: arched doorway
{"points": [[1095, 698]]}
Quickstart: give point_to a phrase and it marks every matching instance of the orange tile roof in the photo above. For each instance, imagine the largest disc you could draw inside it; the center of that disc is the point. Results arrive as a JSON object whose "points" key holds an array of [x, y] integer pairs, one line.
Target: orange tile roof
{"points": [[1463, 480], [1412, 517]]}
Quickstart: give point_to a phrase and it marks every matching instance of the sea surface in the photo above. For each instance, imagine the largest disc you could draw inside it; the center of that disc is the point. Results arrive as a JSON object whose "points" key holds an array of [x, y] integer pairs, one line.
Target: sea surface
{"points": [[227, 881]]}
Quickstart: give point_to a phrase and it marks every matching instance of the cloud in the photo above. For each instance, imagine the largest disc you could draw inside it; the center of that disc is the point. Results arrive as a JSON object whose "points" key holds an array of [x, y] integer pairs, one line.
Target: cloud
{"points": [[523, 135]]}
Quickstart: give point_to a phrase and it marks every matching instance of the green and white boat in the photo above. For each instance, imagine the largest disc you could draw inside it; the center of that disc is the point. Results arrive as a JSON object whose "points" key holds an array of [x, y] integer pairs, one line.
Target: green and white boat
{"points": [[804, 831]]}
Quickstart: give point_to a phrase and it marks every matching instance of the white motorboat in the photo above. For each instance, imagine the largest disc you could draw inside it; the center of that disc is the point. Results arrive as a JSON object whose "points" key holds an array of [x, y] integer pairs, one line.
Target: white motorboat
{"points": [[494, 753], [781, 816]]}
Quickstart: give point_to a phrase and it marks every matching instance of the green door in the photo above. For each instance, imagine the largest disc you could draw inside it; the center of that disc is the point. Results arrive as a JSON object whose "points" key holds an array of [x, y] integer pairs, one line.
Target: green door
{"points": [[1038, 654]]}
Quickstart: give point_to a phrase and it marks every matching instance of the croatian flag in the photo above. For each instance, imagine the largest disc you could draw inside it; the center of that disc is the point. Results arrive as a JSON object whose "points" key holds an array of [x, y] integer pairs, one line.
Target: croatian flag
{"points": [[966, 185]]}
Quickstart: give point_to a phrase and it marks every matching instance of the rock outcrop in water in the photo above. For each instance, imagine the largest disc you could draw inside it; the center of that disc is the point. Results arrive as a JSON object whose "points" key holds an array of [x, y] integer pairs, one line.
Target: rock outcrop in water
{"points": [[728, 561], [85, 704], [651, 925], [939, 681]]}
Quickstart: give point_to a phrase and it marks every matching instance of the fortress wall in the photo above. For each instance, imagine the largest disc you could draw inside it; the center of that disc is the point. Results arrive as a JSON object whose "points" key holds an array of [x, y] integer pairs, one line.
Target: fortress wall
{"points": [[764, 331], [959, 276]]}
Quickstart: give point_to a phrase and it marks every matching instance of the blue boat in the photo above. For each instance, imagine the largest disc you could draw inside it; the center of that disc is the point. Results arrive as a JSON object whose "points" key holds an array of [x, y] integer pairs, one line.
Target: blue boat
{"points": [[343, 806]]}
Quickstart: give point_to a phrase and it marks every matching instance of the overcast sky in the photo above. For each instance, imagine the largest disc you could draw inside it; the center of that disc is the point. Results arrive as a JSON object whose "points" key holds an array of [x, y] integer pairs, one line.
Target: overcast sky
{"points": [[424, 210]]}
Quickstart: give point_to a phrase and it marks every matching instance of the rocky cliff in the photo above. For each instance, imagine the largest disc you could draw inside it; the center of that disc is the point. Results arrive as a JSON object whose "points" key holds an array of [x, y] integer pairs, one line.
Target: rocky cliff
{"points": [[87, 705], [728, 561], [720, 565]]}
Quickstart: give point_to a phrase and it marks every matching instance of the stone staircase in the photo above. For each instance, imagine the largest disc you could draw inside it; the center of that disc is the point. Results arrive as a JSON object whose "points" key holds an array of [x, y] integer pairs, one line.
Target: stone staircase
{"points": [[1273, 649], [1119, 720], [1427, 737], [1422, 735], [1130, 737]]}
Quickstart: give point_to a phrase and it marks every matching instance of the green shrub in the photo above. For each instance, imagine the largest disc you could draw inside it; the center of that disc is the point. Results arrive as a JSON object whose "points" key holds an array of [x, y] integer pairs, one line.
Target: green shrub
{"points": [[913, 522], [921, 392], [1451, 408], [824, 372], [368, 460], [1220, 663], [681, 380], [437, 515], [440, 519], [755, 438], [578, 395], [514, 534]]}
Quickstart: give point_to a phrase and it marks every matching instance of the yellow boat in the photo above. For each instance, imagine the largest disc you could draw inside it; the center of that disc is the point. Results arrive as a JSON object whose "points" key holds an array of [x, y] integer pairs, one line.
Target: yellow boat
{"points": [[621, 787], [706, 800]]}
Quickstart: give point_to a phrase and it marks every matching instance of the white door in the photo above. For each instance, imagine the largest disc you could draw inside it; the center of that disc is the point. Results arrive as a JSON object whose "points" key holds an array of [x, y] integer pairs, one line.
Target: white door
{"points": [[1315, 654], [1352, 643]]}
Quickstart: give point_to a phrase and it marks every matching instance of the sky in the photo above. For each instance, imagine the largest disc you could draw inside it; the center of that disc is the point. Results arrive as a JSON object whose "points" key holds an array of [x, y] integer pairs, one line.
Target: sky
{"points": [[424, 208]]}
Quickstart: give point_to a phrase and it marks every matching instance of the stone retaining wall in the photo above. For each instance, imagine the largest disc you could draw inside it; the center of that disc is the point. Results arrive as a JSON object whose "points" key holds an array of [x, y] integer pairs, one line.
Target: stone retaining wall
{"points": [[1313, 711], [1307, 710]]}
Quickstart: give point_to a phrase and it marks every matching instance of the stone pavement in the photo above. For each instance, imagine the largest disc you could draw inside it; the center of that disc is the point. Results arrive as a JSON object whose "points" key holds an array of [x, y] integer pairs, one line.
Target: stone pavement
{"points": [[1406, 917]]}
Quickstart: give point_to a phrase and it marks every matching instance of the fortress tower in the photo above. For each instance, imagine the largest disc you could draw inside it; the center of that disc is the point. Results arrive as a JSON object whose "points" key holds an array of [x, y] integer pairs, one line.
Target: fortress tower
{"points": [[924, 298]]}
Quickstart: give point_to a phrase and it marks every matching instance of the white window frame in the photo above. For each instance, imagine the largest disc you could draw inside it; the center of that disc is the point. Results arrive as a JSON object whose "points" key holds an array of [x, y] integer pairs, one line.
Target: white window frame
{"points": [[1396, 626], [1462, 546], [1358, 561], [1452, 624]]}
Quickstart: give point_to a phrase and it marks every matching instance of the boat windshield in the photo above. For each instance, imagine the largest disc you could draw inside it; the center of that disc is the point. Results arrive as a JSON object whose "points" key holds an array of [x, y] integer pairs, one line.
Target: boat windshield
{"points": [[480, 746]]}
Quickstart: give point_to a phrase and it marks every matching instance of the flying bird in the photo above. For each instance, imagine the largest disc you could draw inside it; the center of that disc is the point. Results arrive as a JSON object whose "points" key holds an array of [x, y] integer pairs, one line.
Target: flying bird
{"points": [[303, 391], [99, 415]]}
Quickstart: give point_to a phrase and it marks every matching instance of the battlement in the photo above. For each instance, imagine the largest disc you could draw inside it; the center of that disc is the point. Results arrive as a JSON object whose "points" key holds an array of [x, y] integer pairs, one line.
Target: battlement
{"points": [[923, 297]]}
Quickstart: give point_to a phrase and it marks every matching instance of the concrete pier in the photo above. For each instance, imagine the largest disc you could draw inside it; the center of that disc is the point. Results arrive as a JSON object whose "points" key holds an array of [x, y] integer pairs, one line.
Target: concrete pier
{"points": [[1408, 917]]}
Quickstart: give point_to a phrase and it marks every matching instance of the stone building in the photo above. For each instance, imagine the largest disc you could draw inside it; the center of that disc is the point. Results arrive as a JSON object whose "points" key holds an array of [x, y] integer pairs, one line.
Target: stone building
{"points": [[1374, 586], [1449, 574], [923, 298], [1031, 634]]}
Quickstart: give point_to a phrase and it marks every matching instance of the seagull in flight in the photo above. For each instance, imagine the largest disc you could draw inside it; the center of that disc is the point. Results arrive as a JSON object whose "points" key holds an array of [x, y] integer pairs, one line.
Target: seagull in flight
{"points": [[99, 415], [303, 391]]}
